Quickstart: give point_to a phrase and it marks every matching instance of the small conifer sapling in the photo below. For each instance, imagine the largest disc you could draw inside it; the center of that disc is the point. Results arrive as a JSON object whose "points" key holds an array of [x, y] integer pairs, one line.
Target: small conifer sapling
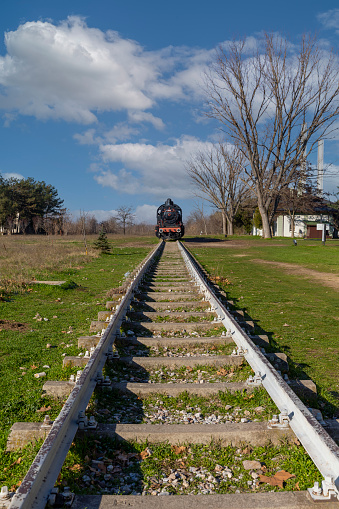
{"points": [[102, 243]]}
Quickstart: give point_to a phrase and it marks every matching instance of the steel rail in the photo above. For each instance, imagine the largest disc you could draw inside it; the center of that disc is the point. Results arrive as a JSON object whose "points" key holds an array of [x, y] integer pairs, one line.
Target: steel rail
{"points": [[36, 487], [319, 445]]}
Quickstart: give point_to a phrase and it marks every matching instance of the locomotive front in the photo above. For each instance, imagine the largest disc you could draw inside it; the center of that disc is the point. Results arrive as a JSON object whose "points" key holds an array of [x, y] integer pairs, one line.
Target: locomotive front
{"points": [[169, 221]]}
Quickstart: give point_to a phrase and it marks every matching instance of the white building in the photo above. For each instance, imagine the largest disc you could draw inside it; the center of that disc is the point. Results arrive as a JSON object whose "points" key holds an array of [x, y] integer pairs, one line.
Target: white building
{"points": [[309, 226]]}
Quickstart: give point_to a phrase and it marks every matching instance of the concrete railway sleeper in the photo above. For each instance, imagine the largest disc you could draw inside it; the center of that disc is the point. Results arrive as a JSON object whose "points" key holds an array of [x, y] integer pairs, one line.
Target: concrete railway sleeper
{"points": [[186, 402]]}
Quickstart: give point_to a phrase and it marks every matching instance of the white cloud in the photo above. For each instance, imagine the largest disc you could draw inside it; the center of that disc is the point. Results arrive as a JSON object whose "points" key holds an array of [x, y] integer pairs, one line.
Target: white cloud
{"points": [[72, 72], [142, 116], [9, 175], [88, 138], [146, 214], [158, 170], [122, 181], [187, 81], [330, 19], [120, 132], [66, 71]]}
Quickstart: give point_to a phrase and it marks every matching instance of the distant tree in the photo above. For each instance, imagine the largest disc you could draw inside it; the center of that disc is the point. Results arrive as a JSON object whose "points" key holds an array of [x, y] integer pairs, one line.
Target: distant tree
{"points": [[215, 223], [257, 221], [218, 176], [125, 217], [102, 243], [199, 209], [92, 225], [110, 225], [194, 223], [335, 210], [22, 201], [244, 219], [141, 229]]}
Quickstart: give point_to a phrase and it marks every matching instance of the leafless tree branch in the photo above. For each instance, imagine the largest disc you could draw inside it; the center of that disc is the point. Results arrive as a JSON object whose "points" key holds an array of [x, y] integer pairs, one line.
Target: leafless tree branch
{"points": [[275, 101]]}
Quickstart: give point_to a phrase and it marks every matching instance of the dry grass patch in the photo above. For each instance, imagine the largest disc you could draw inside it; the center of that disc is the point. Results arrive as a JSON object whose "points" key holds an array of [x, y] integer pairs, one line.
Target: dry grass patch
{"points": [[33, 257]]}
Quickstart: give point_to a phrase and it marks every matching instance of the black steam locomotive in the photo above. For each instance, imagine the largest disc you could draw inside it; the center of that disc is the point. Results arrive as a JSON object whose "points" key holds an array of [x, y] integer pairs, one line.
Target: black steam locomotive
{"points": [[169, 221]]}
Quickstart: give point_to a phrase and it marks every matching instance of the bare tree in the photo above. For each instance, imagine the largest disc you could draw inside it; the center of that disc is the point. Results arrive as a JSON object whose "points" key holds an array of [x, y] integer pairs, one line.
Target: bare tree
{"points": [[109, 225], [141, 229], [301, 197], [125, 217], [196, 223], [198, 216], [217, 175], [276, 101]]}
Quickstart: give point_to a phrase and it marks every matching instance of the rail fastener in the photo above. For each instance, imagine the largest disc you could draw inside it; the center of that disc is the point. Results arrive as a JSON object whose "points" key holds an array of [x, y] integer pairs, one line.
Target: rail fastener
{"points": [[57, 499], [5, 497], [84, 423], [254, 381], [280, 421], [327, 490]]}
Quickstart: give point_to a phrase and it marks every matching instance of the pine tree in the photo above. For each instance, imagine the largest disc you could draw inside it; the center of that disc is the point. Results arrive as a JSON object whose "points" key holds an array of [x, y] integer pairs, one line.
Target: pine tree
{"points": [[102, 243]]}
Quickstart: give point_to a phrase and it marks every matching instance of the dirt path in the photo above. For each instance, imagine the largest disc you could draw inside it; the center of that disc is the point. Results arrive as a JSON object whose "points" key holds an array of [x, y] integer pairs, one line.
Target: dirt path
{"points": [[324, 278]]}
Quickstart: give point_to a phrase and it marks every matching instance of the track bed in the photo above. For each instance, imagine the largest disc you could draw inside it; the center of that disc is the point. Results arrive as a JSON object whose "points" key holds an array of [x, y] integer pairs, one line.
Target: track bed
{"points": [[178, 411]]}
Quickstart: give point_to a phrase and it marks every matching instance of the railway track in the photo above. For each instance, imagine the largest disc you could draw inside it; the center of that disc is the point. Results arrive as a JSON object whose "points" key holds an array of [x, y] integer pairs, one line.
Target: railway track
{"points": [[181, 352]]}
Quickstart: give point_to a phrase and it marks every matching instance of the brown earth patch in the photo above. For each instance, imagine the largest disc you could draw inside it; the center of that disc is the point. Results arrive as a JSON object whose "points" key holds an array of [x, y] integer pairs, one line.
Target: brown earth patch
{"points": [[324, 278], [217, 243], [14, 326]]}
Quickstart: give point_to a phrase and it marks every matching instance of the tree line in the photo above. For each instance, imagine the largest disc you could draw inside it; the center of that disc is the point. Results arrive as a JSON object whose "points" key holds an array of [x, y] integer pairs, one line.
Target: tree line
{"points": [[273, 101], [122, 223], [28, 206]]}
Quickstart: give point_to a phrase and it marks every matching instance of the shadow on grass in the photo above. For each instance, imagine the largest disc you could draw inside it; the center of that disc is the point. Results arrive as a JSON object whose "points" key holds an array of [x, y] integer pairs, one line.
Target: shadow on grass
{"points": [[326, 401], [204, 240]]}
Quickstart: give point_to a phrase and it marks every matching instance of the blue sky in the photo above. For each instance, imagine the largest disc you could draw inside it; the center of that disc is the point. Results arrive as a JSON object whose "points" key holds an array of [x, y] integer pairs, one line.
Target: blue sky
{"points": [[104, 99]]}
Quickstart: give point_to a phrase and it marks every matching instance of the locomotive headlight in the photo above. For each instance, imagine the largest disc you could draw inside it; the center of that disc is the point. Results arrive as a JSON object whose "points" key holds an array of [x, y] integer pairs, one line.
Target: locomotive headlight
{"points": [[178, 230], [160, 230]]}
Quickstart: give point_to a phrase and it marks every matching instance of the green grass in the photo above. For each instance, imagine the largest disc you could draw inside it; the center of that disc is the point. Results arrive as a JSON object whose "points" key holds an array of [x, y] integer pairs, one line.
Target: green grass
{"points": [[308, 252], [300, 316]]}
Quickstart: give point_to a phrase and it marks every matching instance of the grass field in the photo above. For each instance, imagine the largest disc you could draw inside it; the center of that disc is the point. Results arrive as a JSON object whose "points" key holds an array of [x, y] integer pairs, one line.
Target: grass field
{"points": [[286, 299], [66, 313], [297, 311]]}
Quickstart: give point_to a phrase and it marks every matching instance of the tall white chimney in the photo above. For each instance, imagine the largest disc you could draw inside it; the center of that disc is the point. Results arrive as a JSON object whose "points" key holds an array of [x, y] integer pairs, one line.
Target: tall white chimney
{"points": [[320, 176]]}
